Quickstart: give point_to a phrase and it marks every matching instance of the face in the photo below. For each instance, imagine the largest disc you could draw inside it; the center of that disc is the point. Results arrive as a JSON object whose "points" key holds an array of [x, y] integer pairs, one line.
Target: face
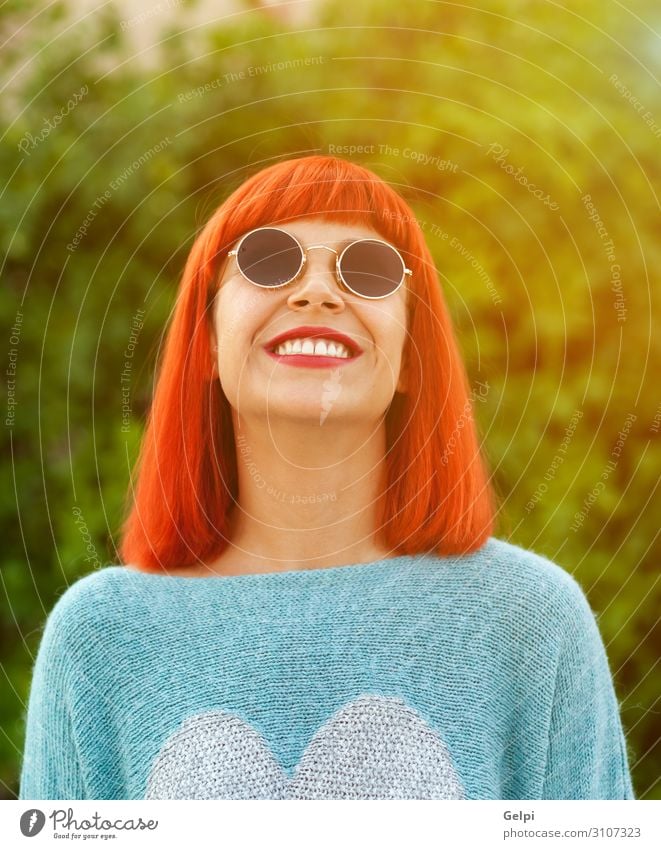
{"points": [[259, 382]]}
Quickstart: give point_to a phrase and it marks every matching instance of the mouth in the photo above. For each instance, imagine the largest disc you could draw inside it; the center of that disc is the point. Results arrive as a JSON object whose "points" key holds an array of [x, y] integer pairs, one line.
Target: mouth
{"points": [[314, 347]]}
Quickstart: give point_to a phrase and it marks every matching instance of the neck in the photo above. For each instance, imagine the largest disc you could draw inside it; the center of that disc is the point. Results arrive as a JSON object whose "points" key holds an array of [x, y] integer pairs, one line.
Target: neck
{"points": [[308, 496]]}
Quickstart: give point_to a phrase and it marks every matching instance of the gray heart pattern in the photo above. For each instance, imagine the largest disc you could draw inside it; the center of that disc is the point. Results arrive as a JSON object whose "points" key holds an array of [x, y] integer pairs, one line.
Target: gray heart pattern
{"points": [[374, 747]]}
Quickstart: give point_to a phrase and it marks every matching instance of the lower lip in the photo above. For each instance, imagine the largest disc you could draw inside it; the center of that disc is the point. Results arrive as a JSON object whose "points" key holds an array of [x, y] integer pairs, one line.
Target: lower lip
{"points": [[310, 360]]}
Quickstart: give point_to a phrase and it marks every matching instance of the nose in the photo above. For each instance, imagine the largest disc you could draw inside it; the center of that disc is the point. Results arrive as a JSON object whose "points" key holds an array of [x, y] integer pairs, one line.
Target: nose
{"points": [[318, 285]]}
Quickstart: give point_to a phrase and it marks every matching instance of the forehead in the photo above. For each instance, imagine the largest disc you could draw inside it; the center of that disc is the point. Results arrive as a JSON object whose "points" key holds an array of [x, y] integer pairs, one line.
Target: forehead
{"points": [[335, 234]]}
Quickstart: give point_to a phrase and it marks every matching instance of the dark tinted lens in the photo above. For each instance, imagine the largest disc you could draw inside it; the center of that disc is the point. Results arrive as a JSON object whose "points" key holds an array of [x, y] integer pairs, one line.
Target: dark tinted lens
{"points": [[372, 269], [269, 257]]}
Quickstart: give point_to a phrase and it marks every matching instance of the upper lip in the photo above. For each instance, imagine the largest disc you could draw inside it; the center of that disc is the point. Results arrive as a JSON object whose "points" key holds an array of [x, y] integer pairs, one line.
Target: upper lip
{"points": [[313, 332]]}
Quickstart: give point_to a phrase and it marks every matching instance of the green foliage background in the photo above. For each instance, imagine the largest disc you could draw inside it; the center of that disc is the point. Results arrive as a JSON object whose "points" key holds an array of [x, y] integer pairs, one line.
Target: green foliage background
{"points": [[441, 79]]}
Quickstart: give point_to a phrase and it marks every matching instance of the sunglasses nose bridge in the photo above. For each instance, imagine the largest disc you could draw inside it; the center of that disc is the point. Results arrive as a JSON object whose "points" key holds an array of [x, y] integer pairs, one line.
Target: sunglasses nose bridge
{"points": [[327, 248]]}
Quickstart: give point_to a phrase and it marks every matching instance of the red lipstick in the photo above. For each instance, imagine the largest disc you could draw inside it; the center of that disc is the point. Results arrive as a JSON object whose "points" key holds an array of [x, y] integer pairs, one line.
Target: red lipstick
{"points": [[310, 360]]}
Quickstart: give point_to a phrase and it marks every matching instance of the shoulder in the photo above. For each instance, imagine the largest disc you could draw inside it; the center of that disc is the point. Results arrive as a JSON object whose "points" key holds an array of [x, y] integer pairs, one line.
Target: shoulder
{"points": [[85, 608], [524, 581], [527, 566], [73, 627], [88, 592]]}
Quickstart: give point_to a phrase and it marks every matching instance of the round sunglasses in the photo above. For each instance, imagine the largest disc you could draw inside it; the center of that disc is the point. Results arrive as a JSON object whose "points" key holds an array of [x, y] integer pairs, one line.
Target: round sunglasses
{"points": [[271, 257]]}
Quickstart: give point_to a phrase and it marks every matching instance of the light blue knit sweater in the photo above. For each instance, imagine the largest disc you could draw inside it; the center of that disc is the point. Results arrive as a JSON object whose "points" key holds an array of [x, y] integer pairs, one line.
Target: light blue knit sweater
{"points": [[475, 677]]}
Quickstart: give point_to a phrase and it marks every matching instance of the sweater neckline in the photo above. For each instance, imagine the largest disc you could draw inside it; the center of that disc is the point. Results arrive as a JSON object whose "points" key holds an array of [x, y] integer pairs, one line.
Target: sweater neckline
{"points": [[287, 575]]}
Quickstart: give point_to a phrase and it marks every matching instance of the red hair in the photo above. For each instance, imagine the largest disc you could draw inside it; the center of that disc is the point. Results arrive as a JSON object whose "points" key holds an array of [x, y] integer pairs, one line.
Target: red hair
{"points": [[437, 498]]}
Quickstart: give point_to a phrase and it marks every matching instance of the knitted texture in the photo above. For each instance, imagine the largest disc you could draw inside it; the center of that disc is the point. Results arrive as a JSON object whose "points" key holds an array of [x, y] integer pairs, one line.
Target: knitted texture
{"points": [[481, 676]]}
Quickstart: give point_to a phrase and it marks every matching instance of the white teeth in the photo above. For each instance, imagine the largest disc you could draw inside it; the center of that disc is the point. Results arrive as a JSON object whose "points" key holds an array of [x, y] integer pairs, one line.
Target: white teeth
{"points": [[311, 347]]}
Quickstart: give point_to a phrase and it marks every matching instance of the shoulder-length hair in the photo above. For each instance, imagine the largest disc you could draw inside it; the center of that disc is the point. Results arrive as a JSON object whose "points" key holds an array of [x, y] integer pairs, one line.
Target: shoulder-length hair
{"points": [[437, 497]]}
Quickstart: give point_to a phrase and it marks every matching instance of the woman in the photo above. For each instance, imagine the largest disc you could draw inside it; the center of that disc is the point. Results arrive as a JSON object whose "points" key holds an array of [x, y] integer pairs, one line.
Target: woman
{"points": [[313, 605]]}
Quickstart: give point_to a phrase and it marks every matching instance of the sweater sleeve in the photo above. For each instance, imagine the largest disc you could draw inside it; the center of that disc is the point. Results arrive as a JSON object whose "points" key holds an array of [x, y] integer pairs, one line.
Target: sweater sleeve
{"points": [[587, 754], [51, 767]]}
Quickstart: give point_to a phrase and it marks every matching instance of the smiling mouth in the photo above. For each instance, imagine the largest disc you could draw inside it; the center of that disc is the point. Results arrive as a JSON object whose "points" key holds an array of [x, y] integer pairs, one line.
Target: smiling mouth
{"points": [[312, 353], [307, 347]]}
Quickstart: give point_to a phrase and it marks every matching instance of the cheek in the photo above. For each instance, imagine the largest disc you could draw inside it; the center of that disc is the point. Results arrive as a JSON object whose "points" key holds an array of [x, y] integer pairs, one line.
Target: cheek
{"points": [[387, 325], [237, 318]]}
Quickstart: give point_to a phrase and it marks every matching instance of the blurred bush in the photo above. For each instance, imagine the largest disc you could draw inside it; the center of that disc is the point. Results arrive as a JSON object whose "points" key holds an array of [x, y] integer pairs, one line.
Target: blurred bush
{"points": [[465, 109]]}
